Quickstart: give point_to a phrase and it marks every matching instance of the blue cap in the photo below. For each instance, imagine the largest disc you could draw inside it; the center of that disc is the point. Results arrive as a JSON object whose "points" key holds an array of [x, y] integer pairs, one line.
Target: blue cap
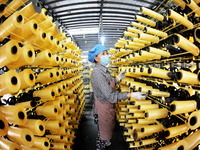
{"points": [[95, 51]]}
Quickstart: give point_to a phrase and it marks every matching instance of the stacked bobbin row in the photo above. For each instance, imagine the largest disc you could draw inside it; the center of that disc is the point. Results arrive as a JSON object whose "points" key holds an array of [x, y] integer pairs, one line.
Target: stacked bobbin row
{"points": [[41, 86], [160, 55]]}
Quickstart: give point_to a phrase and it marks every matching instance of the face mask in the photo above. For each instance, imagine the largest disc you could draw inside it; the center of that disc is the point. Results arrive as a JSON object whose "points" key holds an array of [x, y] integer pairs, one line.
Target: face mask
{"points": [[105, 60]]}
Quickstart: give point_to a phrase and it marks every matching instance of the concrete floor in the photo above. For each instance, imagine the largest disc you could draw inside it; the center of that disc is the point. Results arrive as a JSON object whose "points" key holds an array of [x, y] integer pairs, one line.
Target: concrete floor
{"points": [[87, 133]]}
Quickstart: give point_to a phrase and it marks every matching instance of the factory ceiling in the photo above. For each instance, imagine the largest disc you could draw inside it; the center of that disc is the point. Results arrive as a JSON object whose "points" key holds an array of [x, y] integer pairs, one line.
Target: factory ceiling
{"points": [[89, 22]]}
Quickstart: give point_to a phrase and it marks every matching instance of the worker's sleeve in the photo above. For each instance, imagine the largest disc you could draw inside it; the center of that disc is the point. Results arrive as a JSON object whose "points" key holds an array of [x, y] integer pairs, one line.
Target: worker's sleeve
{"points": [[116, 81], [99, 81]]}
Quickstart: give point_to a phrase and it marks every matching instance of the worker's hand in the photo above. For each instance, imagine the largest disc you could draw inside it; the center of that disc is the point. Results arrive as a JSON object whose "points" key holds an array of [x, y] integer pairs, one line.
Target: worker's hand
{"points": [[138, 95], [121, 75]]}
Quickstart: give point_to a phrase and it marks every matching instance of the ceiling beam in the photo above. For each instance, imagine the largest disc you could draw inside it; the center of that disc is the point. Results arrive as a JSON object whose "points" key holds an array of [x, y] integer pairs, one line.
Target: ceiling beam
{"points": [[96, 21], [89, 8], [104, 16], [74, 4], [94, 2], [95, 24], [92, 19], [97, 12]]}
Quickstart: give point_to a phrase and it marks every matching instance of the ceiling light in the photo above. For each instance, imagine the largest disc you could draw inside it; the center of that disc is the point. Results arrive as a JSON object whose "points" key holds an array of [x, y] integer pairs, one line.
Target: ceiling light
{"points": [[83, 31], [102, 40]]}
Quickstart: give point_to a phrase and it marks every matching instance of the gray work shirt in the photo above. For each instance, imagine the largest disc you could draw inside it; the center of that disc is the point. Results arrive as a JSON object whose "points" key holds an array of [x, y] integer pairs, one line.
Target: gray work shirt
{"points": [[101, 85]]}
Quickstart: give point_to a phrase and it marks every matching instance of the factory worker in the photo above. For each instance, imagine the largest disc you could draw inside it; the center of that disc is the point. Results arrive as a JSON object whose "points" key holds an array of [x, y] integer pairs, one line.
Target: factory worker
{"points": [[105, 95]]}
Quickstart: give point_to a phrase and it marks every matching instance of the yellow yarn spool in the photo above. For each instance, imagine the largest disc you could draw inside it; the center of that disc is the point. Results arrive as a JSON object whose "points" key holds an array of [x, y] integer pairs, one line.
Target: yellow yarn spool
{"points": [[137, 25], [60, 146], [43, 57], [141, 41], [148, 141], [193, 5], [141, 102], [9, 53], [9, 82], [3, 1], [177, 17], [193, 120], [4, 125], [147, 107], [36, 126], [148, 37], [27, 57], [14, 114], [138, 135], [186, 44], [47, 111], [149, 55], [41, 143], [45, 94], [21, 136], [145, 121], [27, 78], [136, 44], [155, 32], [13, 6], [179, 107], [150, 129], [14, 22], [152, 13], [28, 148], [156, 113], [170, 146], [191, 141], [181, 3], [158, 52], [56, 89], [197, 1], [52, 125], [45, 76], [5, 144], [145, 20], [175, 131], [37, 40], [134, 30], [31, 10], [47, 23], [47, 42], [157, 72], [130, 34], [41, 16], [27, 30]]}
